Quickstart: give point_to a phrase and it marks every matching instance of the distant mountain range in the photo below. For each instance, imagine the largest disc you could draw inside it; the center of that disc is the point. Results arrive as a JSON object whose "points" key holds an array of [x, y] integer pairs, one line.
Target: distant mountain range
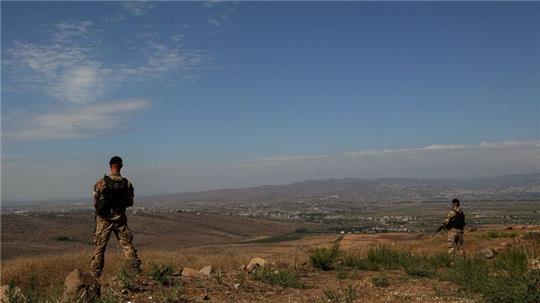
{"points": [[330, 192], [509, 187]]}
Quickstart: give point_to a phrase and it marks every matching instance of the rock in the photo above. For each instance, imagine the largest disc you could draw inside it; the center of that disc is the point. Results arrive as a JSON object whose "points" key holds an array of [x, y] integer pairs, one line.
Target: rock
{"points": [[534, 264], [206, 271], [8, 295], [508, 228], [190, 272], [256, 262], [487, 253], [81, 287], [473, 229], [507, 243]]}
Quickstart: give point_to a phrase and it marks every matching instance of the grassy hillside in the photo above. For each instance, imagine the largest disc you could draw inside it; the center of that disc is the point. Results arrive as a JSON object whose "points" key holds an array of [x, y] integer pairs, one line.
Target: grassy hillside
{"points": [[357, 268]]}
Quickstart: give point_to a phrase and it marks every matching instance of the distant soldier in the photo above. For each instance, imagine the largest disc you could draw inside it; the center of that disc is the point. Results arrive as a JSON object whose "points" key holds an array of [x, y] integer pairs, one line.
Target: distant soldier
{"points": [[454, 223], [112, 195]]}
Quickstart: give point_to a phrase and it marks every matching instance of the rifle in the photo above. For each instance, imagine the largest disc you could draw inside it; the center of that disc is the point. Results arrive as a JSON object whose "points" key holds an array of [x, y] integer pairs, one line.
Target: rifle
{"points": [[439, 229]]}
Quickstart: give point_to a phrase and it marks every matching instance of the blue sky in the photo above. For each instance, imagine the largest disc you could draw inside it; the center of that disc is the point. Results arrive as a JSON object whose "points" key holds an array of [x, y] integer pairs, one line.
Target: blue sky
{"points": [[205, 95]]}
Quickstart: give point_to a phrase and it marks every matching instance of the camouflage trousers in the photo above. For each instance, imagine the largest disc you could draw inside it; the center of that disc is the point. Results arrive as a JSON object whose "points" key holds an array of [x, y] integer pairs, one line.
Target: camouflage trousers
{"points": [[104, 227], [455, 243]]}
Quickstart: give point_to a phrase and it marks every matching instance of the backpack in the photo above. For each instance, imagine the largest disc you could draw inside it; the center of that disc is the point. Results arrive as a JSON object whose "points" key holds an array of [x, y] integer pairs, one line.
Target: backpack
{"points": [[458, 221], [115, 195]]}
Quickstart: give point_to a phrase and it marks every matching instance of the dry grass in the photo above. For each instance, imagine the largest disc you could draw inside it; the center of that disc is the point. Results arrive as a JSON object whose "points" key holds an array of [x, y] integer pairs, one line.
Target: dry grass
{"points": [[49, 271]]}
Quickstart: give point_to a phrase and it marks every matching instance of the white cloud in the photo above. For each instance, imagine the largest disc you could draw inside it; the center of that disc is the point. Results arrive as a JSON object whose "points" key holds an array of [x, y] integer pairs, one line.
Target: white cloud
{"points": [[79, 84], [77, 122], [137, 8], [69, 67], [64, 72]]}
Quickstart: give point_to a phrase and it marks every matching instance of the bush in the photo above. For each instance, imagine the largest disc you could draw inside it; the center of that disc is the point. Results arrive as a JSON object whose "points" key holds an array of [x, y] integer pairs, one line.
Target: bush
{"points": [[380, 281], [281, 276], [419, 267], [324, 258], [503, 281], [13, 295], [386, 258], [356, 261], [495, 234], [128, 278], [347, 295], [512, 260], [161, 274]]}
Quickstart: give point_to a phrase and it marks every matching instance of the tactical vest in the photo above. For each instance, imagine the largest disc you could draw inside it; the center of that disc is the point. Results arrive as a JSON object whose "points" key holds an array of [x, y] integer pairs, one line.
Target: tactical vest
{"points": [[115, 195], [458, 221]]}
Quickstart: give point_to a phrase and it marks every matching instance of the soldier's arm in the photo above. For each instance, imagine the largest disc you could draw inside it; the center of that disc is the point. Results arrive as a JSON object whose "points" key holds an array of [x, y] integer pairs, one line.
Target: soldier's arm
{"points": [[98, 188], [449, 217], [131, 194]]}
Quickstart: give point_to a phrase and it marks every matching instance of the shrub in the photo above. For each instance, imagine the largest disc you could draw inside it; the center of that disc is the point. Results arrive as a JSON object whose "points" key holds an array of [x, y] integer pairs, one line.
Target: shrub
{"points": [[12, 295], [161, 274], [347, 295], [281, 276], [324, 258], [128, 278], [440, 260], [495, 234], [512, 260], [380, 281], [503, 281], [386, 258], [419, 266], [355, 261]]}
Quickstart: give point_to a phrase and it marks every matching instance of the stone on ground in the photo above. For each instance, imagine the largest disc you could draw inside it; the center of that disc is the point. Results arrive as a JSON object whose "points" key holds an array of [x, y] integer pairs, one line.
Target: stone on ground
{"points": [[190, 272], [81, 287], [487, 253], [255, 263], [206, 271]]}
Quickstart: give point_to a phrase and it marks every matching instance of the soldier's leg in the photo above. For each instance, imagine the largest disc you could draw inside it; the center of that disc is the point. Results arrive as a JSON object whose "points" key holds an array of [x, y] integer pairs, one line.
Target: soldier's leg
{"points": [[459, 244], [101, 237], [125, 238], [451, 241]]}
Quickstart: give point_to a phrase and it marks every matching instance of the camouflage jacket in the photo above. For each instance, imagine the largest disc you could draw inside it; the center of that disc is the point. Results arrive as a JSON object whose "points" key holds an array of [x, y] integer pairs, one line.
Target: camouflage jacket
{"points": [[451, 214], [100, 185]]}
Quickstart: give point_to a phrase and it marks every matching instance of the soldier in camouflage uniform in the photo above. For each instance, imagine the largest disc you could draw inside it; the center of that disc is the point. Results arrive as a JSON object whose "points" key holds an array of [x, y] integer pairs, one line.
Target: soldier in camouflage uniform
{"points": [[454, 223], [112, 195]]}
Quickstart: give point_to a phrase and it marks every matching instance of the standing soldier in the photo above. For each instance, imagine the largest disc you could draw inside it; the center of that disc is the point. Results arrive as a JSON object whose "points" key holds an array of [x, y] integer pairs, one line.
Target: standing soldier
{"points": [[112, 195], [454, 223]]}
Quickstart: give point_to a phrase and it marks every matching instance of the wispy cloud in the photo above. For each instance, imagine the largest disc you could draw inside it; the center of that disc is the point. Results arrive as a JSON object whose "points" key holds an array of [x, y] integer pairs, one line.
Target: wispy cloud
{"points": [[77, 122], [435, 148], [138, 8], [447, 147], [289, 158], [69, 68], [221, 12]]}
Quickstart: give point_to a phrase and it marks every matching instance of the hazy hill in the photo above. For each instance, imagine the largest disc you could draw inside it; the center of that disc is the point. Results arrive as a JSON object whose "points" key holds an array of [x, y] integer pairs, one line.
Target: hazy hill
{"points": [[510, 187]]}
